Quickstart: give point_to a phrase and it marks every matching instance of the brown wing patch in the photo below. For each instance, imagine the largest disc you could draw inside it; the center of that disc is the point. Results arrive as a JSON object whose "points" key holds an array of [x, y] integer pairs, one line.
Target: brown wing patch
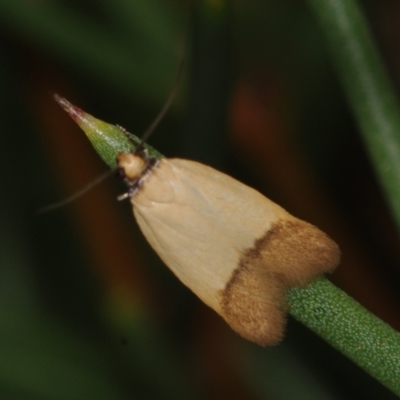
{"points": [[291, 253], [296, 250], [253, 304]]}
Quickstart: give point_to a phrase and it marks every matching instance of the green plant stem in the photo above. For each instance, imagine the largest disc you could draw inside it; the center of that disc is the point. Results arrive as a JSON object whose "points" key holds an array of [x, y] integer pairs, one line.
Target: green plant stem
{"points": [[368, 88], [351, 329]]}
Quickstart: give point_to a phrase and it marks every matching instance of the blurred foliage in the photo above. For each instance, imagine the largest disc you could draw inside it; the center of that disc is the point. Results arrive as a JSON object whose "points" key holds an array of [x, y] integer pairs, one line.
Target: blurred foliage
{"points": [[86, 309]]}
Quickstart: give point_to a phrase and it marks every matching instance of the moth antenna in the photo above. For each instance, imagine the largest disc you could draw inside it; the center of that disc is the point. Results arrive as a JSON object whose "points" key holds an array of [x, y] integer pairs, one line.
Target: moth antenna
{"points": [[164, 109], [76, 195]]}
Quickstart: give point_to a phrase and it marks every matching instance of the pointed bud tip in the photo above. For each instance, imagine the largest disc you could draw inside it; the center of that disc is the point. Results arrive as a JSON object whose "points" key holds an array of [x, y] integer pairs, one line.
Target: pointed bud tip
{"points": [[74, 112]]}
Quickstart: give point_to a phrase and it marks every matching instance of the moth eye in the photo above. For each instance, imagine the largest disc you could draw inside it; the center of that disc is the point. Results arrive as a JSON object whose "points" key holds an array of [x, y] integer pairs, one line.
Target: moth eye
{"points": [[120, 173]]}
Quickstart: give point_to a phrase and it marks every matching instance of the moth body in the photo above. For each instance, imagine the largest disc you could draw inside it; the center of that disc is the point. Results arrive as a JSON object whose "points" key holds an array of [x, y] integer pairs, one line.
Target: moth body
{"points": [[235, 249]]}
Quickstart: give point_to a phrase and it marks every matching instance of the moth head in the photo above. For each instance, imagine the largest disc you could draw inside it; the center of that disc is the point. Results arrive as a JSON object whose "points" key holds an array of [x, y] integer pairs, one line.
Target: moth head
{"points": [[132, 165]]}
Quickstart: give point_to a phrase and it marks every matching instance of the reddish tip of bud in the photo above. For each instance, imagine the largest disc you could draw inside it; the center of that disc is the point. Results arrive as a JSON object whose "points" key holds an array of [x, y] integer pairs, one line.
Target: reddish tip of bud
{"points": [[74, 112]]}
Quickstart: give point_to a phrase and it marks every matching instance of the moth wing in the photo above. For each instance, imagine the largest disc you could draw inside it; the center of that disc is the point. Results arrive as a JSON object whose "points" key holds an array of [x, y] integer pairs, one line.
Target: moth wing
{"points": [[197, 219], [230, 245]]}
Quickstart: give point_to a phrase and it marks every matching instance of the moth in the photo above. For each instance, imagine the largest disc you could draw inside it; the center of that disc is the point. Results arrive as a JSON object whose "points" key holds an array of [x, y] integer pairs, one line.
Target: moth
{"points": [[234, 248]]}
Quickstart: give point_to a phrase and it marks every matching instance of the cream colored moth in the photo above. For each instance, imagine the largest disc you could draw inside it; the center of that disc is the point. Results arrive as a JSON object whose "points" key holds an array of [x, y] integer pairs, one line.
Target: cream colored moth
{"points": [[234, 248]]}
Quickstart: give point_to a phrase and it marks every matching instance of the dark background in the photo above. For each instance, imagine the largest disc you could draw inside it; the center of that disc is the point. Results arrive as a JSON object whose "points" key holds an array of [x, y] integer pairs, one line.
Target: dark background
{"points": [[87, 311]]}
